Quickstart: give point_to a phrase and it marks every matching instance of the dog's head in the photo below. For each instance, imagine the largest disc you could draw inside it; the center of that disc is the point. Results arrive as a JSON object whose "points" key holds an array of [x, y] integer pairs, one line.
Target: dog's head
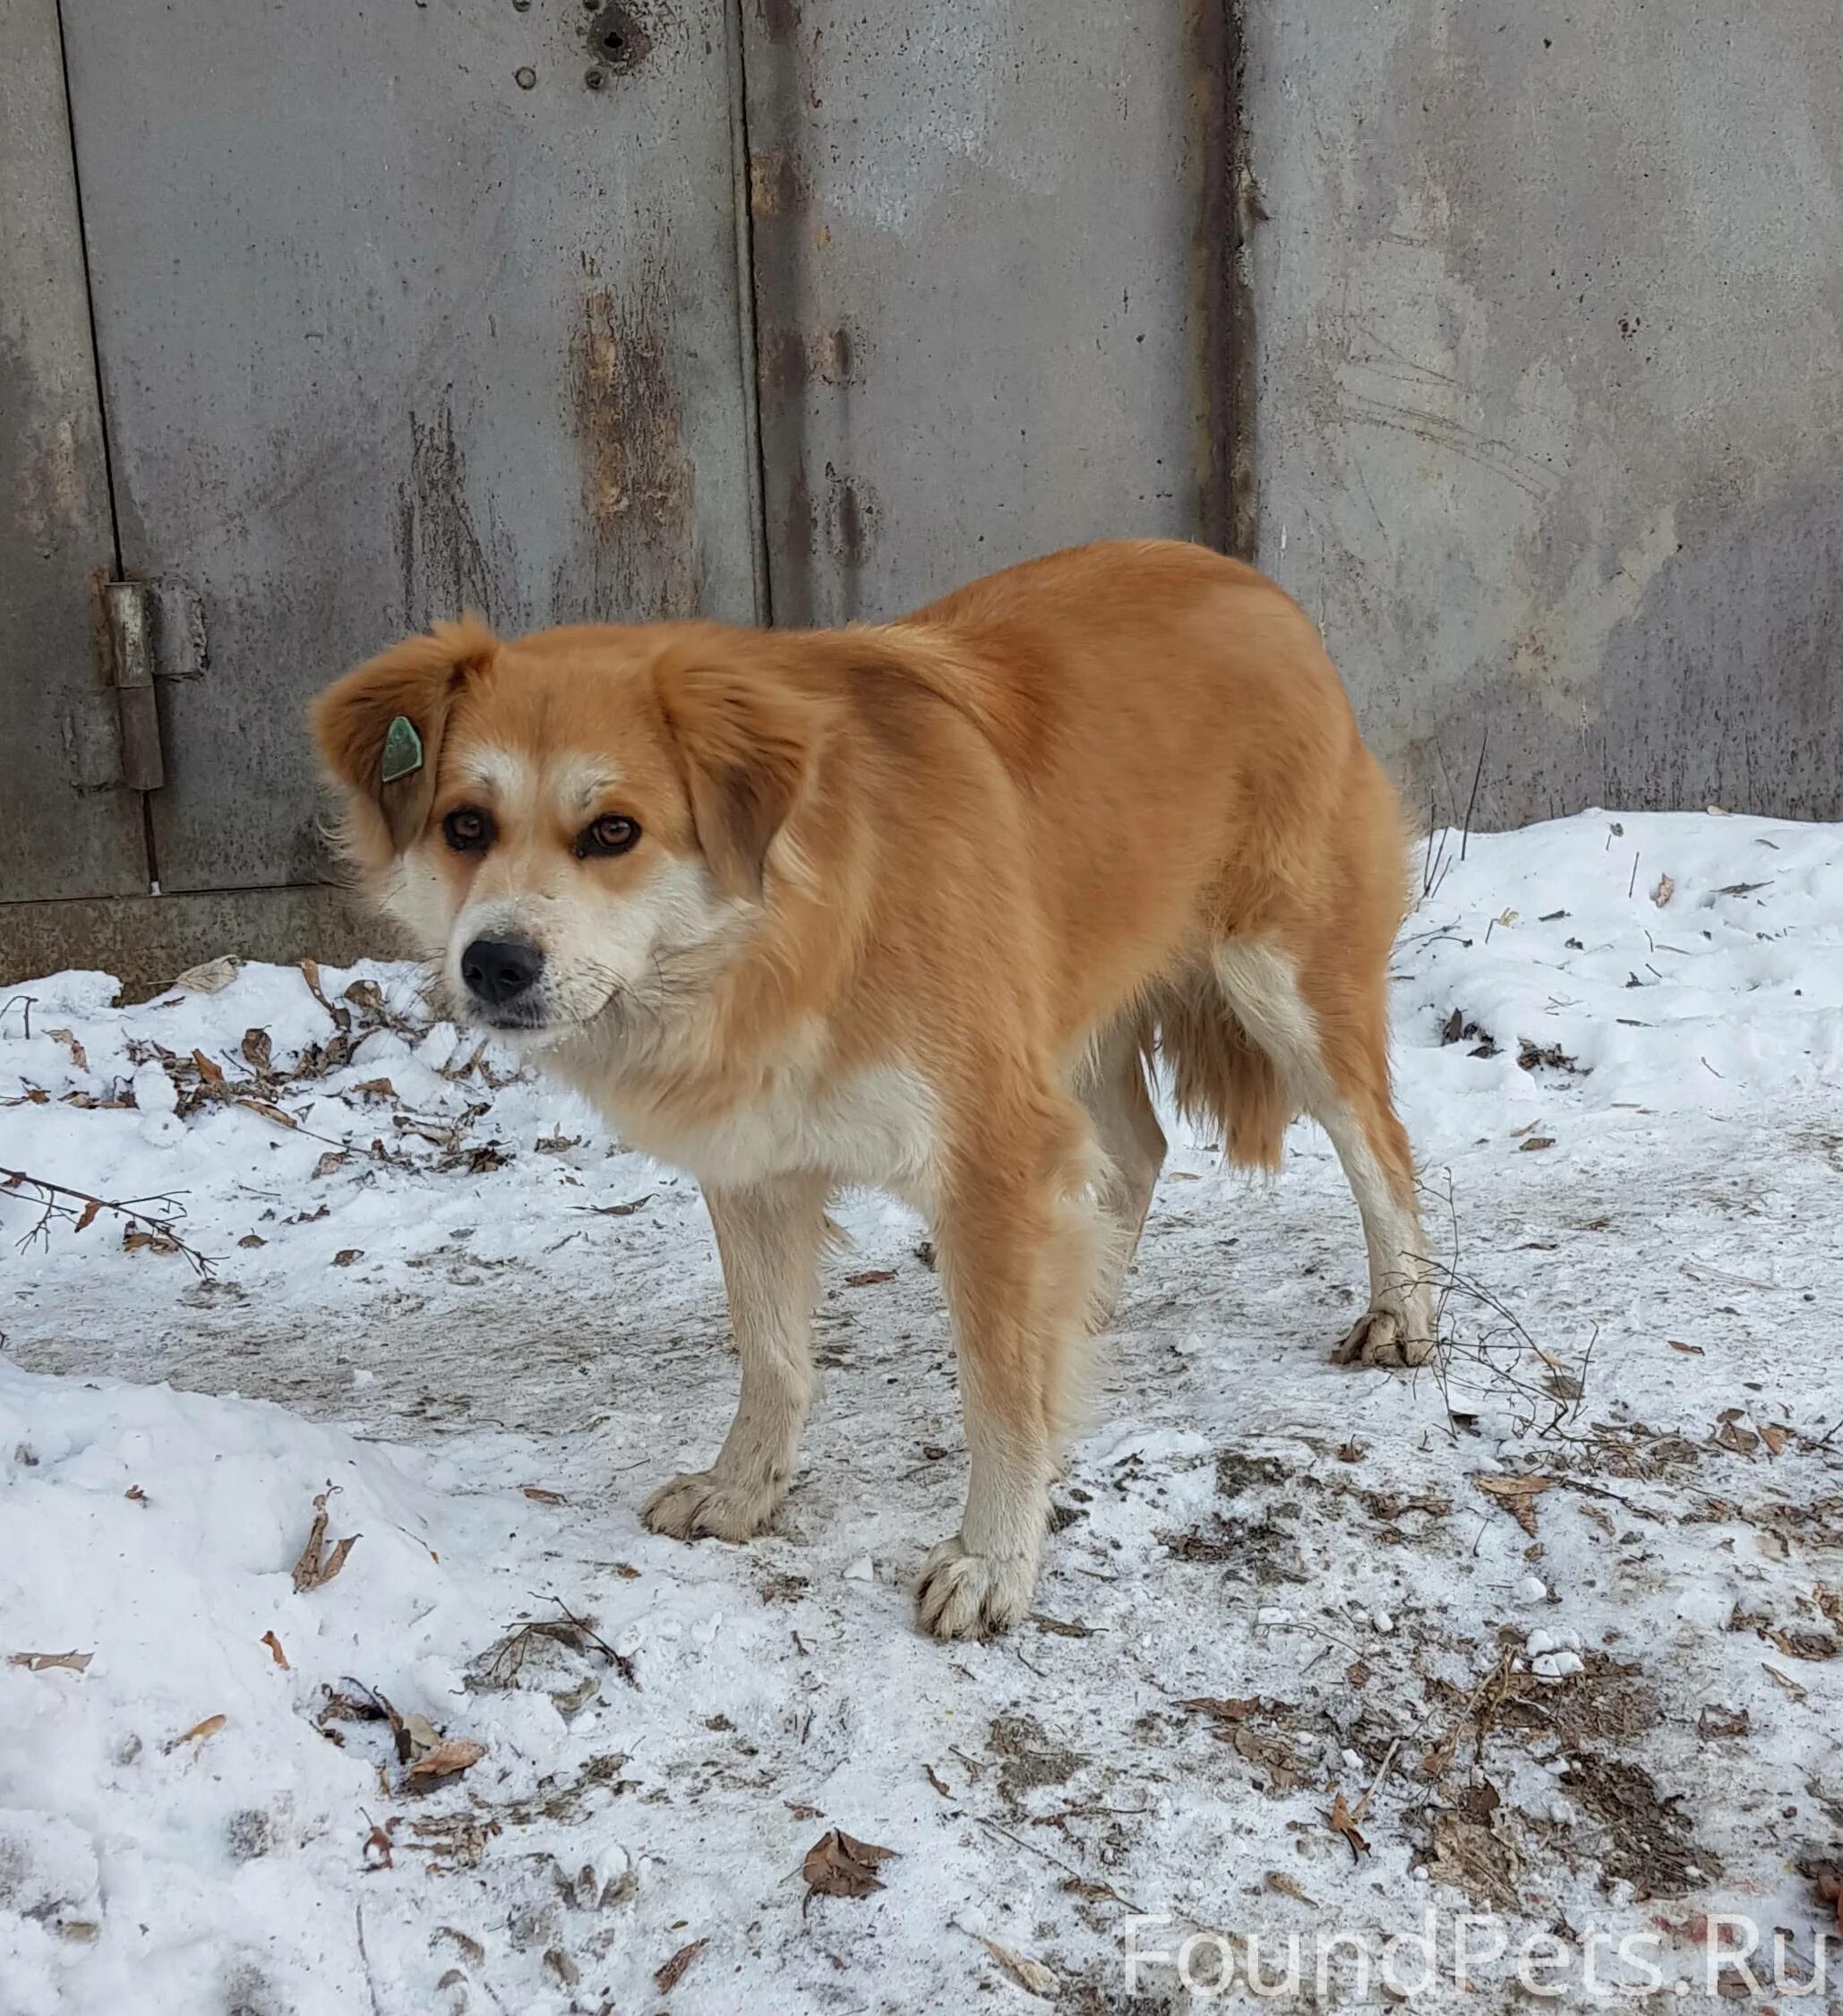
{"points": [[576, 825]]}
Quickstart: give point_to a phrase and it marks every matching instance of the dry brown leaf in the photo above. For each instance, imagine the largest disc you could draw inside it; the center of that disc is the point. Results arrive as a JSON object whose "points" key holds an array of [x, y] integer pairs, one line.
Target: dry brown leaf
{"points": [[346, 1255], [1664, 890], [1716, 1721], [88, 1216], [1342, 1822], [1688, 1350], [1224, 1710], [456, 1753], [1474, 1859], [68, 1038], [543, 1497], [313, 1569], [937, 1781], [801, 1810], [213, 1073], [275, 1650], [1536, 1141], [1027, 1973], [870, 1277], [1774, 1437], [199, 1732], [674, 1971], [135, 1492], [333, 1159], [416, 1735], [211, 977], [377, 1088], [1784, 1681], [837, 1866], [1830, 1889], [1517, 1496], [1804, 1644], [43, 1663], [1282, 1885], [272, 1114], [1287, 1770], [310, 973], [379, 1848]]}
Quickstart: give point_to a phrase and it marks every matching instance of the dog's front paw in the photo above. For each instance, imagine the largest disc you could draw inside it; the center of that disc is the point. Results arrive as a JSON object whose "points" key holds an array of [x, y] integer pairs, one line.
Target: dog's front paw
{"points": [[967, 1595], [705, 1503], [1386, 1337]]}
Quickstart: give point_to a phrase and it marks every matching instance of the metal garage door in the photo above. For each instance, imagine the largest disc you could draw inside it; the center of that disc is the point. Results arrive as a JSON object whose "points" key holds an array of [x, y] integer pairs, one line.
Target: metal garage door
{"points": [[316, 321]]}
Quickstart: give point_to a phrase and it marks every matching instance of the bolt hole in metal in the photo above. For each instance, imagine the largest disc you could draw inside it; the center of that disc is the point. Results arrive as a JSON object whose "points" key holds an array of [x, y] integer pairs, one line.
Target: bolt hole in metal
{"points": [[616, 41]]}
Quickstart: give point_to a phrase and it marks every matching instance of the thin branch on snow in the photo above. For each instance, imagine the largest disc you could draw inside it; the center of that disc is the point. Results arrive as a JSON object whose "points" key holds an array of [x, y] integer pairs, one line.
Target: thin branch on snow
{"points": [[158, 1227]]}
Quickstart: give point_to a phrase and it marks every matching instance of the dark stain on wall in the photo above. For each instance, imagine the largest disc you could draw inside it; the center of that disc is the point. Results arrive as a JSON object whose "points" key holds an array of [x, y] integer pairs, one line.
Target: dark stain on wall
{"points": [[637, 478]]}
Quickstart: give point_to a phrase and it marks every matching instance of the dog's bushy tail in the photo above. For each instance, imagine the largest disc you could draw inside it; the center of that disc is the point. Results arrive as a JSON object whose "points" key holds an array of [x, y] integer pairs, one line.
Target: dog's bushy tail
{"points": [[1220, 1077]]}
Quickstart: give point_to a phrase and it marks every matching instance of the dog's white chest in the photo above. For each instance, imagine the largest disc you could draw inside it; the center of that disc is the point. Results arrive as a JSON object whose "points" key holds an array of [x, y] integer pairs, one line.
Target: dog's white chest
{"points": [[876, 1128]]}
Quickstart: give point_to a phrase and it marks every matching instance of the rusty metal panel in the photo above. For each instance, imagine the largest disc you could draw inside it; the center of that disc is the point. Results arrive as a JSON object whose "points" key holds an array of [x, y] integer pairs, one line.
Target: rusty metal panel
{"points": [[146, 941], [1549, 314], [985, 259], [66, 827], [401, 309]]}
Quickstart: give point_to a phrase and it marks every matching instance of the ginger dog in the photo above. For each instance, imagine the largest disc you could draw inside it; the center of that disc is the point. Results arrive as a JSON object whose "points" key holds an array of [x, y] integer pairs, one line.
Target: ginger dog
{"points": [[916, 905]]}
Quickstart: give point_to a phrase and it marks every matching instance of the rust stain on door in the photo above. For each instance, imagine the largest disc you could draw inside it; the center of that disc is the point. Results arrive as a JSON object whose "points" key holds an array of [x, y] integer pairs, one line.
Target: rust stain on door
{"points": [[636, 479], [441, 557]]}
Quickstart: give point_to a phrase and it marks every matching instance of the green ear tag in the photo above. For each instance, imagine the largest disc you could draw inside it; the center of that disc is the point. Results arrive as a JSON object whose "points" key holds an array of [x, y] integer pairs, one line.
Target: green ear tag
{"points": [[403, 749]]}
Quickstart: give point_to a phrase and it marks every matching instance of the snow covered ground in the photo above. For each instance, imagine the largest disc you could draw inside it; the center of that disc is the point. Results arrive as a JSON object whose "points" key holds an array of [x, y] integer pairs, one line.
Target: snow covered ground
{"points": [[1565, 1614]]}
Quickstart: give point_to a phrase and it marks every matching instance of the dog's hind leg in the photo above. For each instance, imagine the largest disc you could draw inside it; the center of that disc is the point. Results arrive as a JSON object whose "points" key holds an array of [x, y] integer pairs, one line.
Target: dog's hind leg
{"points": [[1326, 1032], [1111, 1083], [769, 1237]]}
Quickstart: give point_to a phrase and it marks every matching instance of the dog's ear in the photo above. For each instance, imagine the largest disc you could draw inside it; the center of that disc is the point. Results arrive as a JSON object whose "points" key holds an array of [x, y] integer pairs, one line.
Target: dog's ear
{"points": [[380, 728], [746, 735]]}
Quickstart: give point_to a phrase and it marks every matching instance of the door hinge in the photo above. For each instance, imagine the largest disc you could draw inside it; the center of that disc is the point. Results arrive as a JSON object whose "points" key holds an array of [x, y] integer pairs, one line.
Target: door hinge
{"points": [[156, 630]]}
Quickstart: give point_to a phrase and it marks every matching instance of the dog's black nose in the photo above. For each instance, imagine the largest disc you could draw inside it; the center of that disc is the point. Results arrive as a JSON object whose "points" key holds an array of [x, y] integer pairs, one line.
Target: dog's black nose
{"points": [[498, 970]]}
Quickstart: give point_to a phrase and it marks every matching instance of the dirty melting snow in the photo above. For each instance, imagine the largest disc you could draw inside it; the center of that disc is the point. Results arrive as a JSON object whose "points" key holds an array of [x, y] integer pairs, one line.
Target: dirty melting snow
{"points": [[1552, 1633]]}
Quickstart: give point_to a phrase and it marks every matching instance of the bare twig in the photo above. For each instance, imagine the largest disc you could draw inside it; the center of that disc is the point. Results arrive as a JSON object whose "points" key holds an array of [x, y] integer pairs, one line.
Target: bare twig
{"points": [[1501, 1349], [619, 1661], [1069, 1868], [358, 1915], [1375, 1783], [1471, 803], [59, 1201]]}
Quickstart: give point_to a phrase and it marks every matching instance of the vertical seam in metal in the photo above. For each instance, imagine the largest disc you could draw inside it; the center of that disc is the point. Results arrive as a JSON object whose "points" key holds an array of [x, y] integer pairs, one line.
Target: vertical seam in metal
{"points": [[748, 338], [1231, 204], [151, 864], [69, 121], [1242, 499]]}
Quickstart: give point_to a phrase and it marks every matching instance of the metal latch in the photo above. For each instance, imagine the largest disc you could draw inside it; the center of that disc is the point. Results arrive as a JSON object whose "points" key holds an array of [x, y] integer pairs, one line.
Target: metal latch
{"points": [[157, 631]]}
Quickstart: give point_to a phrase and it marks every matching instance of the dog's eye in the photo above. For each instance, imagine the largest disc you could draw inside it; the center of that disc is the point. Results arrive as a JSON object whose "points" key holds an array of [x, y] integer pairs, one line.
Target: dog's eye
{"points": [[468, 831], [612, 834]]}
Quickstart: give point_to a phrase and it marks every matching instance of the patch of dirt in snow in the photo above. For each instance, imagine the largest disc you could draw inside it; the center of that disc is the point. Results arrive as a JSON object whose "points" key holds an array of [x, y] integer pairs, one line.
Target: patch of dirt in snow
{"points": [[1549, 1631]]}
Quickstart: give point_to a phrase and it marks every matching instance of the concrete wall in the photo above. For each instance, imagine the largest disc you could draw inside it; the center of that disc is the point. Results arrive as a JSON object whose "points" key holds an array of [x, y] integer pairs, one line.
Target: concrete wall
{"points": [[1549, 302]]}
